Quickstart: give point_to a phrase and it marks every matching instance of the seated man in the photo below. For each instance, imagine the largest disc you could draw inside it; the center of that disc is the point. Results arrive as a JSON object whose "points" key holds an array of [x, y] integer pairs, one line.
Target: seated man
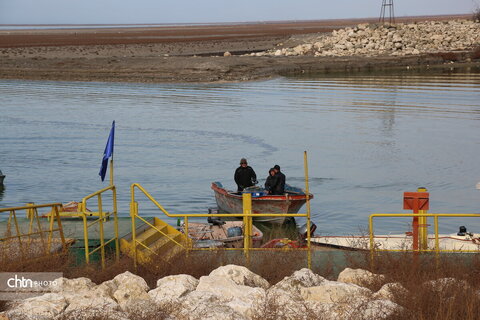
{"points": [[271, 181], [280, 185]]}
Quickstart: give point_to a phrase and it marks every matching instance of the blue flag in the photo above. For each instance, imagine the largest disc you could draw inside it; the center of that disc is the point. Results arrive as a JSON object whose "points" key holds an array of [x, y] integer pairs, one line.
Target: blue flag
{"points": [[108, 152]]}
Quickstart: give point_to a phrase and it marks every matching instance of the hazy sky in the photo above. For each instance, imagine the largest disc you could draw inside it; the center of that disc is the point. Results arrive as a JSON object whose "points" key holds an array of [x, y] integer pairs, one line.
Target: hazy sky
{"points": [[182, 11]]}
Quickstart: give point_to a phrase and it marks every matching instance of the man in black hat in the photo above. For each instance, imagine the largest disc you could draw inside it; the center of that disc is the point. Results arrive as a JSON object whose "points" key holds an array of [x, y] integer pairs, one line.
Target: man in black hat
{"points": [[244, 176], [280, 185]]}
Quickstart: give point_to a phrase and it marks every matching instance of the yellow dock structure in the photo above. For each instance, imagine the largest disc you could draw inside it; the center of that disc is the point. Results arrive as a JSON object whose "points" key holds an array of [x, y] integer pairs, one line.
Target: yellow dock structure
{"points": [[153, 238]]}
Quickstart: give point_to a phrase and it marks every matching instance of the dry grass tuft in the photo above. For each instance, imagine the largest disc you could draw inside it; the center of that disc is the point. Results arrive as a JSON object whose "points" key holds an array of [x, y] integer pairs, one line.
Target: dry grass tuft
{"points": [[441, 300], [450, 299]]}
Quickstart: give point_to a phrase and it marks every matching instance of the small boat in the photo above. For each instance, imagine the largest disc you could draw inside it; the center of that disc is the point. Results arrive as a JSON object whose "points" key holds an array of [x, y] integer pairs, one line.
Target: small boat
{"points": [[220, 234], [290, 202], [462, 241], [2, 177]]}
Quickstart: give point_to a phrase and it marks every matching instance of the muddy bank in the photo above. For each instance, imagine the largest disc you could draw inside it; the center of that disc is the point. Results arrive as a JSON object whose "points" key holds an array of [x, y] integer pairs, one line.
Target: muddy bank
{"points": [[193, 54], [211, 69]]}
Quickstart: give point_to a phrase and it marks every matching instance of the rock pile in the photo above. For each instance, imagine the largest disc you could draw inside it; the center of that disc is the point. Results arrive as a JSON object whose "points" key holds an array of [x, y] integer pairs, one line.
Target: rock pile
{"points": [[397, 39], [228, 292]]}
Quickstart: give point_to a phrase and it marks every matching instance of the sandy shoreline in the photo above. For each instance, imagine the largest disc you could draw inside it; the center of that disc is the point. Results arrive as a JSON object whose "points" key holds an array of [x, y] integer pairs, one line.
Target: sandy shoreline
{"points": [[187, 53]]}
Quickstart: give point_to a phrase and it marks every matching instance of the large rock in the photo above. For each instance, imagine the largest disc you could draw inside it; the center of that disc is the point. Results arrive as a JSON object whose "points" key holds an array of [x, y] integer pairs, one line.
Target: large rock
{"points": [[171, 288], [241, 276], [93, 314], [335, 292], [227, 289], [131, 289], [206, 306], [64, 285], [47, 307], [286, 299], [78, 289], [106, 289], [359, 277], [390, 291], [128, 278], [379, 309], [147, 309], [91, 301], [240, 298], [293, 284], [85, 300]]}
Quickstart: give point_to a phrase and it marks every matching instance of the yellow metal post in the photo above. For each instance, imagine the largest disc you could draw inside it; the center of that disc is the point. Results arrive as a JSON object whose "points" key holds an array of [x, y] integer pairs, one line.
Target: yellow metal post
{"points": [[437, 241], [42, 237], [29, 210], [307, 191], [423, 228], [19, 234], [247, 211], [185, 220], [60, 227], [115, 223], [100, 225], [85, 230], [372, 243], [133, 213], [50, 235]]}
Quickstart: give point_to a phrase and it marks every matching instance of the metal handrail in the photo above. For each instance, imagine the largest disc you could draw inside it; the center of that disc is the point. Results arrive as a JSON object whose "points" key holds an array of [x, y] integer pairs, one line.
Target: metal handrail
{"points": [[56, 204], [32, 215], [102, 216], [247, 216], [425, 215], [159, 231]]}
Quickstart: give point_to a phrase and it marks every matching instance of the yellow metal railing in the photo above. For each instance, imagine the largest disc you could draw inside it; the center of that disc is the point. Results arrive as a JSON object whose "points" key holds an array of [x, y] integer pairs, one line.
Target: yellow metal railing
{"points": [[33, 219], [247, 217], [423, 239], [103, 216]]}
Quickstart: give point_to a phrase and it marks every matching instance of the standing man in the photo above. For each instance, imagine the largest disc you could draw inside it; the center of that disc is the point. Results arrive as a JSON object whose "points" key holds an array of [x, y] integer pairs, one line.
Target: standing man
{"points": [[280, 186], [244, 176]]}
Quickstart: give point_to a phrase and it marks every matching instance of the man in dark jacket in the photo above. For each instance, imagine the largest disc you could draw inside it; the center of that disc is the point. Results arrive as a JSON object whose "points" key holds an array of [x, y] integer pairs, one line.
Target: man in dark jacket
{"points": [[280, 186], [244, 176], [271, 181]]}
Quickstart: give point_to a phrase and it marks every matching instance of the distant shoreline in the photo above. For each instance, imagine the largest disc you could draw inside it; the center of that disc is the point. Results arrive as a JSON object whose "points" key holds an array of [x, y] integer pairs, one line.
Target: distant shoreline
{"points": [[192, 53], [229, 23]]}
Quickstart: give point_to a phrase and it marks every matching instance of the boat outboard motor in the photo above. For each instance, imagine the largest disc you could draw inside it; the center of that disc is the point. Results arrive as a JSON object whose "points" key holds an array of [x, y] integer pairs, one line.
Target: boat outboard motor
{"points": [[462, 231], [216, 221], [303, 230]]}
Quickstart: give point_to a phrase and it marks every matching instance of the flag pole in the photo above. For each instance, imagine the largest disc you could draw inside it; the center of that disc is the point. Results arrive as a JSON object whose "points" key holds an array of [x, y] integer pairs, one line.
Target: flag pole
{"points": [[111, 170]]}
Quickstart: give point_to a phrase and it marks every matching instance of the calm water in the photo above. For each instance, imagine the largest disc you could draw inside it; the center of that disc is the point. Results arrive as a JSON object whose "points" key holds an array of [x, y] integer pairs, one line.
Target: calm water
{"points": [[369, 139]]}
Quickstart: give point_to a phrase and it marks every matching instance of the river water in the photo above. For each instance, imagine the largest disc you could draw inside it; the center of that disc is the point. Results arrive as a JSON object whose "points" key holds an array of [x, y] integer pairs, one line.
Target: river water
{"points": [[369, 138]]}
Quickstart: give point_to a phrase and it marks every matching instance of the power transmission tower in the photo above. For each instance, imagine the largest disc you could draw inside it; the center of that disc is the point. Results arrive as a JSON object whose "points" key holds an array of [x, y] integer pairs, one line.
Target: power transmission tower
{"points": [[387, 5]]}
